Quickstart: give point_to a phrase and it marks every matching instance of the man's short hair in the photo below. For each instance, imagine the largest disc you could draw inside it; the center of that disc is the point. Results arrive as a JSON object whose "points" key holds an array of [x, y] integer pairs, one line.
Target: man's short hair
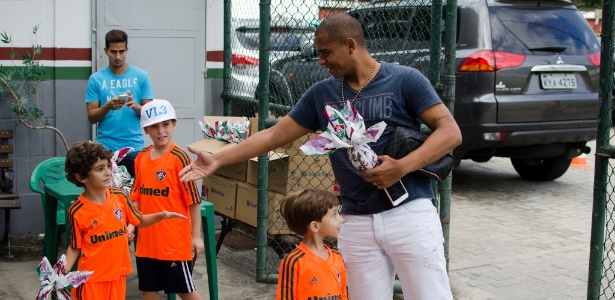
{"points": [[116, 36], [300, 208], [80, 159], [341, 26]]}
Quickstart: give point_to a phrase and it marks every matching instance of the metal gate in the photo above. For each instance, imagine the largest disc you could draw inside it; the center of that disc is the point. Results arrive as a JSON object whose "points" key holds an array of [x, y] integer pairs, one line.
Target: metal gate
{"points": [[269, 61]]}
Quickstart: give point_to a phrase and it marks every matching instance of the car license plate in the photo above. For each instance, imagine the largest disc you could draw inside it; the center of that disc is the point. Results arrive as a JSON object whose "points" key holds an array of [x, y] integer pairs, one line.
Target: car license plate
{"points": [[558, 81]]}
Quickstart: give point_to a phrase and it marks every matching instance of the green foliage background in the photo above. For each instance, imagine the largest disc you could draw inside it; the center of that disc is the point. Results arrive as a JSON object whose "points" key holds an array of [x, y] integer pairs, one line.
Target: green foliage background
{"points": [[587, 4]]}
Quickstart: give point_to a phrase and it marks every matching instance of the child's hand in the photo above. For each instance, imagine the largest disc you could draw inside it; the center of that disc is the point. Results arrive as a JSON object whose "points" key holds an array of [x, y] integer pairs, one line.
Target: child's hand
{"points": [[130, 230], [172, 215], [198, 246]]}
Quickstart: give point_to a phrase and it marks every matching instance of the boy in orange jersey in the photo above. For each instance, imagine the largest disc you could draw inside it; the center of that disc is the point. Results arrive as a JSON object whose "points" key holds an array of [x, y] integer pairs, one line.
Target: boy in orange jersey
{"points": [[98, 219], [166, 251], [312, 271]]}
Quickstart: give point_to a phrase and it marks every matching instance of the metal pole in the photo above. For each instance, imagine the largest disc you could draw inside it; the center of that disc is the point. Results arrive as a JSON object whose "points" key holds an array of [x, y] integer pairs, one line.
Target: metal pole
{"points": [[604, 152], [226, 71], [262, 208], [448, 96], [435, 44]]}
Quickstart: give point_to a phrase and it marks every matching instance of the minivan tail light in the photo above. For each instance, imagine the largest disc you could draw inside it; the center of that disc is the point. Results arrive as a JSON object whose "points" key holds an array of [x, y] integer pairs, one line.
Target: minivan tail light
{"points": [[495, 136], [243, 61], [490, 61], [594, 58]]}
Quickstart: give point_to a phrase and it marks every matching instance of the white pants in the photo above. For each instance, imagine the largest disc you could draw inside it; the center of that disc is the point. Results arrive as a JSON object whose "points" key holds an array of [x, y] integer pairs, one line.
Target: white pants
{"points": [[406, 239]]}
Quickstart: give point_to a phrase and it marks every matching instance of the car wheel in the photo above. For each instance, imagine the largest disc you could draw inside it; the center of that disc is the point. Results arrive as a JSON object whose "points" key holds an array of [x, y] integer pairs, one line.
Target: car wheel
{"points": [[546, 169]]}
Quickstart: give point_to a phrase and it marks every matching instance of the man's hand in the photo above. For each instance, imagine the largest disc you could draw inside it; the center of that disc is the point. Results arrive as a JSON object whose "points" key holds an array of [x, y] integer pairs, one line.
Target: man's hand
{"points": [[204, 165], [130, 103], [115, 103], [386, 174]]}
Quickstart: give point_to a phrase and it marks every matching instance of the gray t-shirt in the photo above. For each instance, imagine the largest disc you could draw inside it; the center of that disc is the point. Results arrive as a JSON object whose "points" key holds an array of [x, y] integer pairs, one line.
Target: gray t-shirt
{"points": [[397, 95]]}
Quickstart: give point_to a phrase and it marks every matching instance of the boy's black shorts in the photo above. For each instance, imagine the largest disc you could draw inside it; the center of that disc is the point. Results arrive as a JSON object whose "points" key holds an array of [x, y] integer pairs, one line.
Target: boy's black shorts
{"points": [[172, 277]]}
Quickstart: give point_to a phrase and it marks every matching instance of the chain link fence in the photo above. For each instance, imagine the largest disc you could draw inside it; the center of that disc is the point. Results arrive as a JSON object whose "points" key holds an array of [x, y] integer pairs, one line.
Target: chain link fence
{"points": [[270, 61], [601, 282]]}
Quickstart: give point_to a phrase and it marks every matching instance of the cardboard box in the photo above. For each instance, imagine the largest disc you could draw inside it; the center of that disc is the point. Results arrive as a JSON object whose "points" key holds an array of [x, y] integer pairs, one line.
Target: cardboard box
{"points": [[235, 171], [247, 199], [311, 172], [294, 173], [285, 173], [278, 172], [222, 193], [254, 127], [292, 149]]}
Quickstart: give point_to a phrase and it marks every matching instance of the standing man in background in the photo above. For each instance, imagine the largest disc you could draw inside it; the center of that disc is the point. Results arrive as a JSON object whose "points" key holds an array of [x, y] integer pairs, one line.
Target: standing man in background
{"points": [[114, 97]]}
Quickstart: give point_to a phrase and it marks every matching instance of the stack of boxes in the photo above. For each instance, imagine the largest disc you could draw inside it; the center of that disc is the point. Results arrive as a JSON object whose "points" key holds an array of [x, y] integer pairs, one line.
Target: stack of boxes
{"points": [[233, 189]]}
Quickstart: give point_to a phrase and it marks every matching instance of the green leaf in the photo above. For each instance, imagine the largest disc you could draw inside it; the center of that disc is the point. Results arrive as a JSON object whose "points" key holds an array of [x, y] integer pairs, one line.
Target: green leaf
{"points": [[5, 38], [36, 27], [26, 56]]}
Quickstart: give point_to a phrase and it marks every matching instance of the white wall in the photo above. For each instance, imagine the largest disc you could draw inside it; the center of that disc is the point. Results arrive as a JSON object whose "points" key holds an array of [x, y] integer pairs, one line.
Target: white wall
{"points": [[63, 23]]}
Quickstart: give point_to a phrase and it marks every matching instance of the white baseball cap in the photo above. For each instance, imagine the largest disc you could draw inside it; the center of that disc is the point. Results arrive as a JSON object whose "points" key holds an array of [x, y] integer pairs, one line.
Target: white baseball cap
{"points": [[156, 111]]}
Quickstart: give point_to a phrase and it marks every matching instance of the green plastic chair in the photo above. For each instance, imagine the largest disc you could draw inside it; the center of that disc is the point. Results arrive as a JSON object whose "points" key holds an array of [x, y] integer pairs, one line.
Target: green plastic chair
{"points": [[49, 171], [209, 239]]}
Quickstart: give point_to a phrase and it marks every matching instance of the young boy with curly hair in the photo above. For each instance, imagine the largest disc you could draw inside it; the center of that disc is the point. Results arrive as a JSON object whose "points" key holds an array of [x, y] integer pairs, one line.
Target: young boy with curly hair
{"points": [[99, 221], [166, 251], [312, 270]]}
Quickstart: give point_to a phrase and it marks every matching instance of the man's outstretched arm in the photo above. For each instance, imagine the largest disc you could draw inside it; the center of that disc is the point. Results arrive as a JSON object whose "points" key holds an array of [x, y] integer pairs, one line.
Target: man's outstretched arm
{"points": [[284, 132]]}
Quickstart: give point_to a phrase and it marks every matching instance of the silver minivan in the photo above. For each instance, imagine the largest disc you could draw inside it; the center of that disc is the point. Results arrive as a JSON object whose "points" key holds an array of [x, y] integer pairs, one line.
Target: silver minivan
{"points": [[286, 39]]}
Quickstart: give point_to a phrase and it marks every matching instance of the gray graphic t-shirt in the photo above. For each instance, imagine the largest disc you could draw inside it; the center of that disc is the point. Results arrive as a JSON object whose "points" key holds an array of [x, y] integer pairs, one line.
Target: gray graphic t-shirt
{"points": [[397, 95]]}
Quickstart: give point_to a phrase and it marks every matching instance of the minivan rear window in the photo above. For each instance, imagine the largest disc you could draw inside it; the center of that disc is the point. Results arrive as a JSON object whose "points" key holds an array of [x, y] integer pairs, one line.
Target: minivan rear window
{"points": [[541, 31]]}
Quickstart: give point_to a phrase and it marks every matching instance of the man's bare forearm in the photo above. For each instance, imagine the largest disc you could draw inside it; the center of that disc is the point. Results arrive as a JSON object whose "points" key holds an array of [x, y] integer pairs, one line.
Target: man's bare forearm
{"points": [[96, 115], [286, 131]]}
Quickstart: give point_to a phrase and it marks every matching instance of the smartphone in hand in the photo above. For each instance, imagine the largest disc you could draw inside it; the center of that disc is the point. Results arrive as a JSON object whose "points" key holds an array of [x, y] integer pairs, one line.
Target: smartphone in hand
{"points": [[397, 193], [123, 96]]}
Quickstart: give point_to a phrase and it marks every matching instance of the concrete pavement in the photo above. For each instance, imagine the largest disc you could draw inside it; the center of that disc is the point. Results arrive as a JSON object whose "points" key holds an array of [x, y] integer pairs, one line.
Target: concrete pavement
{"points": [[509, 239], [513, 239]]}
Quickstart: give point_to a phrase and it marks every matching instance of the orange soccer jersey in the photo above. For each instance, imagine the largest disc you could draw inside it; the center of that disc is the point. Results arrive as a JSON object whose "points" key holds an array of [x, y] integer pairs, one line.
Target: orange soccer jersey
{"points": [[156, 188], [100, 232], [306, 276]]}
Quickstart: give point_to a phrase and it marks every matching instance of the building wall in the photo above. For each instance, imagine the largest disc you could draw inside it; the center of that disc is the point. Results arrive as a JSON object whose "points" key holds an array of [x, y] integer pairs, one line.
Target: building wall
{"points": [[594, 19], [65, 36]]}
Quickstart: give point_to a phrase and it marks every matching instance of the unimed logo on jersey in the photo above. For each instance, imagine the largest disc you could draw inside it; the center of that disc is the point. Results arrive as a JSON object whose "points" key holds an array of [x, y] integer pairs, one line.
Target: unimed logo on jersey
{"points": [[327, 297], [107, 236], [154, 192]]}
